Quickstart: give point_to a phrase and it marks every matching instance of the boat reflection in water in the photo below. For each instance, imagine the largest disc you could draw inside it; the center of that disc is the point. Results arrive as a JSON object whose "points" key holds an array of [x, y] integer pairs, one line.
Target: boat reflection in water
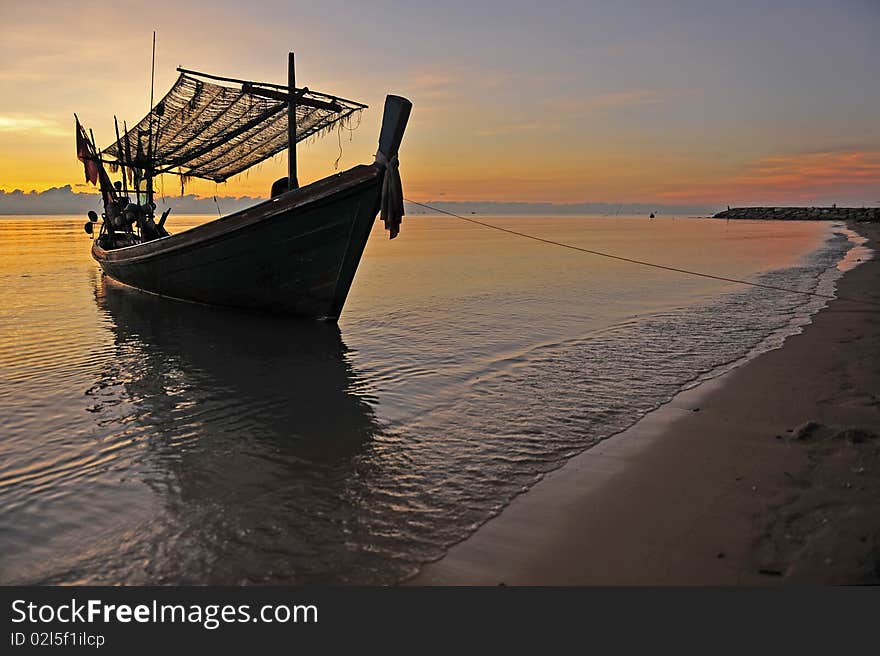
{"points": [[248, 432]]}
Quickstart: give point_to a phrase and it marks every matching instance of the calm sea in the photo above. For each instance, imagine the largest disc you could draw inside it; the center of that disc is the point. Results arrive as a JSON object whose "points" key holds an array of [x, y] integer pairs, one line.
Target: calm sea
{"points": [[150, 441]]}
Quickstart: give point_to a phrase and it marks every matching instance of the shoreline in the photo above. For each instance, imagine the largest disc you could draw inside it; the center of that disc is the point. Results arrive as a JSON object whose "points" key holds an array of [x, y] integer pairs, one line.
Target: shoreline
{"points": [[768, 473]]}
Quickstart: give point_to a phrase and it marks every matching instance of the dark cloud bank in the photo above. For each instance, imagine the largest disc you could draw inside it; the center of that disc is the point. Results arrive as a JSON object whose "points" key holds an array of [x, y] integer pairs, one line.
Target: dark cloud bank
{"points": [[64, 200]]}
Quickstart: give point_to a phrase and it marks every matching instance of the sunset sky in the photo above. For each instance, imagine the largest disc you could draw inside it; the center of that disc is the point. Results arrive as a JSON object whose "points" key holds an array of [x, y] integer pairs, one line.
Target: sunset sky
{"points": [[649, 101]]}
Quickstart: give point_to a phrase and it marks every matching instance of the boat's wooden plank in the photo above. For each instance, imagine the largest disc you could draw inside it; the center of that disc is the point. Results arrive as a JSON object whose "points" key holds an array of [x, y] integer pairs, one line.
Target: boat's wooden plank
{"points": [[319, 192], [302, 261]]}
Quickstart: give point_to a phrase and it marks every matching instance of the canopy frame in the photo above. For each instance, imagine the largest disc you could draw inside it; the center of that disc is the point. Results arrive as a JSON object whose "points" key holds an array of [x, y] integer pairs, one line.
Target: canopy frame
{"points": [[214, 127]]}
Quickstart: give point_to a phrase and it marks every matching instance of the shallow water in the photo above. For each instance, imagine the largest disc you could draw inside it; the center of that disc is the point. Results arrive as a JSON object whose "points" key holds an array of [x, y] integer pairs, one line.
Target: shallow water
{"points": [[150, 441]]}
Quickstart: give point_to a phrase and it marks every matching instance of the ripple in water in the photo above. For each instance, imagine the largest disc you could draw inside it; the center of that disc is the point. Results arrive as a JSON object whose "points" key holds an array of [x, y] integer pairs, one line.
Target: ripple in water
{"points": [[146, 441]]}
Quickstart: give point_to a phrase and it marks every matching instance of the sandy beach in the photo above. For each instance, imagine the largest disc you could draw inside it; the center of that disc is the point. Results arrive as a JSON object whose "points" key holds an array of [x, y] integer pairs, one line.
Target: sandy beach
{"points": [[768, 474]]}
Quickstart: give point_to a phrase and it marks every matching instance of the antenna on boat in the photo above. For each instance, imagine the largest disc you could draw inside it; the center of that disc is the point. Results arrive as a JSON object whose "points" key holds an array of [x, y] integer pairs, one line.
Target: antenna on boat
{"points": [[120, 155], [134, 172], [152, 75], [150, 136], [292, 182]]}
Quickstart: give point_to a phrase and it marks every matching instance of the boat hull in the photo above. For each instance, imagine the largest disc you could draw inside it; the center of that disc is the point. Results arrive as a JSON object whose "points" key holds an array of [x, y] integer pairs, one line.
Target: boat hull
{"points": [[296, 254]]}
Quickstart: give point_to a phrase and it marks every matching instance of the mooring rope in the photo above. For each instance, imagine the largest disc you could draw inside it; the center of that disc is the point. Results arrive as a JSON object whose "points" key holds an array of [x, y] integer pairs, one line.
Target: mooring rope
{"points": [[654, 265]]}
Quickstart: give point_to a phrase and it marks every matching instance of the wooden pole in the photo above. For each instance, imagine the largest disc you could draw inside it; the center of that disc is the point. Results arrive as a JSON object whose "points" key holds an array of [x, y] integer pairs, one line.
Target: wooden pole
{"points": [[120, 155], [134, 171], [292, 182], [150, 136]]}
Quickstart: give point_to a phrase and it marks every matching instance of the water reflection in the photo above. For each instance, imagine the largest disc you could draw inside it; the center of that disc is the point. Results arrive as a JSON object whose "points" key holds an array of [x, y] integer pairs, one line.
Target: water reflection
{"points": [[211, 447], [248, 432]]}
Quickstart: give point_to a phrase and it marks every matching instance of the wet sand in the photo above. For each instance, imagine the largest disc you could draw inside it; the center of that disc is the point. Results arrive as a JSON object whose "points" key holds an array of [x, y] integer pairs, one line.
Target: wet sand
{"points": [[769, 474]]}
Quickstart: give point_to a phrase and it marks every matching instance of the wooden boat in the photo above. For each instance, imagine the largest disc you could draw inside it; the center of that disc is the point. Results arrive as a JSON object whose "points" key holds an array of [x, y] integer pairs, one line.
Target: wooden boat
{"points": [[294, 254]]}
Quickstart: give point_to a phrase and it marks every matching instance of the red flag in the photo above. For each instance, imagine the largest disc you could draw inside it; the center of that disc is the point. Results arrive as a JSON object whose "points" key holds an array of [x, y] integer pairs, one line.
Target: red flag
{"points": [[85, 153]]}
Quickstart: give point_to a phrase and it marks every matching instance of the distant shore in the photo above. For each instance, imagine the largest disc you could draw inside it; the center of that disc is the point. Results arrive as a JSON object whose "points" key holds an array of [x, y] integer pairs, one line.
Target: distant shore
{"points": [[866, 214], [769, 474]]}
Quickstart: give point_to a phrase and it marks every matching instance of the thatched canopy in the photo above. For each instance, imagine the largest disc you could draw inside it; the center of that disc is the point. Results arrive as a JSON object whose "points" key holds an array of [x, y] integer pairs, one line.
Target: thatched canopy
{"points": [[206, 129]]}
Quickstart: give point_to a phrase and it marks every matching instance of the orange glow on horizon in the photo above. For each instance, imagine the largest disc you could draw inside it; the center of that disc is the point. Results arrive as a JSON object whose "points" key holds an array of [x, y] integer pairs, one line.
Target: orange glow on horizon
{"points": [[478, 176], [795, 178]]}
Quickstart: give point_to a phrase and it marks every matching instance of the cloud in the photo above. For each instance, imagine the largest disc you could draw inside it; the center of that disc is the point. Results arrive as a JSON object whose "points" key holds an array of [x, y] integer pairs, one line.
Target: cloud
{"points": [[624, 99], [617, 100], [64, 200], [428, 80], [513, 128], [445, 85], [801, 178], [435, 86], [31, 125]]}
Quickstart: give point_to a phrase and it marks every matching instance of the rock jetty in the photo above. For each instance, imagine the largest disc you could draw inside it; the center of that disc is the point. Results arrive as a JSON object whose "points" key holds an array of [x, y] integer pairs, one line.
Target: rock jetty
{"points": [[870, 214]]}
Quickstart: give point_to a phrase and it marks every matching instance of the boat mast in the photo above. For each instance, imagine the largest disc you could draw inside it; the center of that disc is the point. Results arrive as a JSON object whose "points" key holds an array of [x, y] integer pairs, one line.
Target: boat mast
{"points": [[120, 155], [132, 164], [292, 182], [150, 136]]}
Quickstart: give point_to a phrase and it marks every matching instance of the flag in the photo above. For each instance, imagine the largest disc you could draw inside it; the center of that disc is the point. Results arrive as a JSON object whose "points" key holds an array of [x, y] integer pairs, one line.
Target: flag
{"points": [[85, 153]]}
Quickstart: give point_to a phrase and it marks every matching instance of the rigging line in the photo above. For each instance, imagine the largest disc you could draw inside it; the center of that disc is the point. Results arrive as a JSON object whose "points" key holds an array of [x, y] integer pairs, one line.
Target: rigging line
{"points": [[654, 265], [338, 157], [351, 130]]}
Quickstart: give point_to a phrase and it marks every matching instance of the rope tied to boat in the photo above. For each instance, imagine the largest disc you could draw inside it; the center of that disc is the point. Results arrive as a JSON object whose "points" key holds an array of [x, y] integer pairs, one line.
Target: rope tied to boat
{"points": [[392, 194], [621, 258]]}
